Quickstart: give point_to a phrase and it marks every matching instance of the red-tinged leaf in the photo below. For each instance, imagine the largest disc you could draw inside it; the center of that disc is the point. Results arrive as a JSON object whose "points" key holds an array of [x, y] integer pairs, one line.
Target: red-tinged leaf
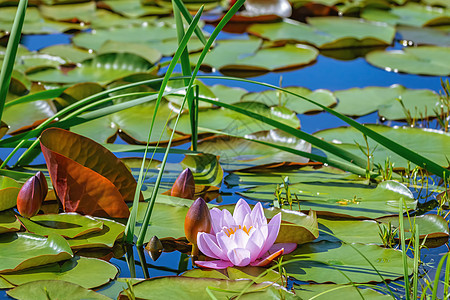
{"points": [[88, 179]]}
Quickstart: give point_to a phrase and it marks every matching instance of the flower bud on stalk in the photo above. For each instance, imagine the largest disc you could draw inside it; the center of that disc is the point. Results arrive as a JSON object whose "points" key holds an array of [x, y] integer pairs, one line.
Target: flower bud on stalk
{"points": [[198, 219], [184, 186], [31, 195], [154, 248]]}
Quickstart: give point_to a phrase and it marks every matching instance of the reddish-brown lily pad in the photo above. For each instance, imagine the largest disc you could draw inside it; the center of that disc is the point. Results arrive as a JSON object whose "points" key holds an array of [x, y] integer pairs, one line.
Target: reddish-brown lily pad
{"points": [[88, 178]]}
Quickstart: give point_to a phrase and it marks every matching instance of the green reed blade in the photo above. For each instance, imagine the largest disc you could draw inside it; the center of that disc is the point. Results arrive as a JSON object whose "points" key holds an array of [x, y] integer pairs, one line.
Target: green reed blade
{"points": [[187, 16], [404, 249], [11, 51], [42, 95], [416, 261]]}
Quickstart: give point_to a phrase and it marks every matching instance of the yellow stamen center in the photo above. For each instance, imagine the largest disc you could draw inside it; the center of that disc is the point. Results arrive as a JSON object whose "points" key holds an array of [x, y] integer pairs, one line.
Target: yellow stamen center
{"points": [[230, 231]]}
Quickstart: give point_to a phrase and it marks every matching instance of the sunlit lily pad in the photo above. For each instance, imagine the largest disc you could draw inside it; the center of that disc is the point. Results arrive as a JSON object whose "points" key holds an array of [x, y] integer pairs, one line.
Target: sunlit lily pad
{"points": [[187, 287], [86, 272], [5, 284], [53, 289], [333, 291], [251, 55], [113, 289], [227, 94], [424, 60], [69, 225], [424, 35], [416, 139], [30, 112], [300, 106], [142, 50], [25, 250], [8, 222], [348, 199], [102, 68], [135, 9], [328, 32], [236, 123], [105, 19], [68, 52], [236, 153], [412, 14], [350, 231], [9, 189], [359, 102], [235, 273], [111, 232], [339, 263], [81, 12]]}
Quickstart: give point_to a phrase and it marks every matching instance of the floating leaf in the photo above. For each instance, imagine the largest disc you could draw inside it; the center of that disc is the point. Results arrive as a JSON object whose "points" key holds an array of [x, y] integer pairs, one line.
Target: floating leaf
{"points": [[227, 94], [425, 35], [86, 176], [68, 52], [111, 232], [416, 139], [102, 68], [53, 289], [343, 199], [185, 287], [236, 153], [80, 12], [25, 250], [412, 14], [235, 273], [359, 102], [424, 60], [333, 262], [9, 189], [236, 123], [142, 50], [8, 221], [86, 272], [350, 231], [328, 32], [334, 291], [248, 55], [135, 9], [30, 112], [113, 289], [68, 225], [300, 106]]}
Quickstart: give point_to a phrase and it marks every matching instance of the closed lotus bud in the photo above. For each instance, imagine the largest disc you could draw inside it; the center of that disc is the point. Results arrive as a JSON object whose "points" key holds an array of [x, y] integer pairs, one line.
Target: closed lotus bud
{"points": [[198, 219], [31, 195], [154, 248], [184, 186]]}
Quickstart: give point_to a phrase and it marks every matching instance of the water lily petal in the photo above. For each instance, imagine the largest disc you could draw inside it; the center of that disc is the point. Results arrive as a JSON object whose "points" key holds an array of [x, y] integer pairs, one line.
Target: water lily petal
{"points": [[214, 264], [241, 210], [228, 220], [257, 215], [288, 247], [209, 241], [205, 243], [216, 220], [247, 222], [255, 243], [273, 229], [241, 238], [264, 261], [239, 257], [225, 242]]}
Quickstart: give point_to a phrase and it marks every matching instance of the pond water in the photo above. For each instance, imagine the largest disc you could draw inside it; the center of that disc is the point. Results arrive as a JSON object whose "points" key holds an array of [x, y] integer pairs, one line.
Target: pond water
{"points": [[325, 73]]}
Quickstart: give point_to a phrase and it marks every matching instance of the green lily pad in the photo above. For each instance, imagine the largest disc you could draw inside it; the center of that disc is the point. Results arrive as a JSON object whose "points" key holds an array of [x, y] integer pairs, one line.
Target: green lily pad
{"points": [[425, 35], [350, 231], [113, 289], [8, 221], [134, 125], [235, 273], [34, 22], [336, 291], [359, 102], [251, 55], [30, 112], [227, 94], [416, 139], [102, 68], [111, 232], [343, 199], [5, 284], [186, 287], [328, 32], [25, 250], [424, 60], [204, 91], [236, 123], [86, 272], [105, 19], [142, 50], [9, 189], [300, 106], [235, 153], [78, 92], [135, 9], [68, 225], [68, 52], [83, 12], [343, 263], [411, 14], [53, 289]]}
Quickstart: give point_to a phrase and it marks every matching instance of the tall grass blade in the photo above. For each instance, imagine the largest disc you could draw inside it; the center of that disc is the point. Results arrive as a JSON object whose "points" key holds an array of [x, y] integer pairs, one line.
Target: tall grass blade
{"points": [[404, 249], [437, 276], [416, 261], [11, 51], [187, 16]]}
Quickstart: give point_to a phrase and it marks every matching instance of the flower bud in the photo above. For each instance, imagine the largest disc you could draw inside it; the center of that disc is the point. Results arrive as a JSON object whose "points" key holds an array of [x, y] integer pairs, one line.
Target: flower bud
{"points": [[197, 220], [184, 186], [31, 195], [154, 248]]}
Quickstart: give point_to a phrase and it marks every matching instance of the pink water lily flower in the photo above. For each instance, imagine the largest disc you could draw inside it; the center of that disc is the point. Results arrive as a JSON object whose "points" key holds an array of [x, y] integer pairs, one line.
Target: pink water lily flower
{"points": [[241, 239]]}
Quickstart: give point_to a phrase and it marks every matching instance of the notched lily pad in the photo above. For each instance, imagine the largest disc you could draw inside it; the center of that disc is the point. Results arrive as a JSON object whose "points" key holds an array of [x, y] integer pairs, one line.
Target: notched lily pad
{"points": [[9, 189], [8, 221], [110, 233]]}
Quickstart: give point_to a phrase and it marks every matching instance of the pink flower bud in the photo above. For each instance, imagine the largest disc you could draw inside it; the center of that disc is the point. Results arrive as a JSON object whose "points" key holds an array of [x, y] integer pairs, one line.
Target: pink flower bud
{"points": [[184, 186], [31, 195], [197, 220]]}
